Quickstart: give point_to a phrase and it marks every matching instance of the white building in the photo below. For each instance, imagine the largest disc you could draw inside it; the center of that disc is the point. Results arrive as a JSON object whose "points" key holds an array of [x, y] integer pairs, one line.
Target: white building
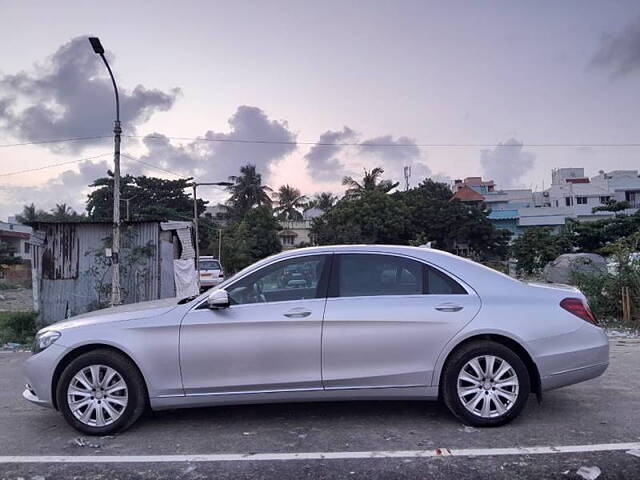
{"points": [[296, 233], [17, 236], [572, 195]]}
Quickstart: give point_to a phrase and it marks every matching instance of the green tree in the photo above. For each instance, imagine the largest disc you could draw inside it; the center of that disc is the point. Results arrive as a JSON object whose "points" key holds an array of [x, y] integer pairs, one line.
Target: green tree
{"points": [[31, 215], [247, 191], [370, 181], [323, 201], [152, 198], [612, 206], [290, 202], [250, 239], [64, 213], [592, 237], [536, 247], [448, 223], [371, 217]]}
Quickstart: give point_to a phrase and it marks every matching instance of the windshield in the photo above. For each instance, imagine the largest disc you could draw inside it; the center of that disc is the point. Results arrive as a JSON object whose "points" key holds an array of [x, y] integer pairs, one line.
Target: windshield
{"points": [[209, 265]]}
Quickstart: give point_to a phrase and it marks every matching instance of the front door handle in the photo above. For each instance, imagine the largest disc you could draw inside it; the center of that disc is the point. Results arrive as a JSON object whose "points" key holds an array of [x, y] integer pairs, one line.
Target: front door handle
{"points": [[298, 312], [449, 307]]}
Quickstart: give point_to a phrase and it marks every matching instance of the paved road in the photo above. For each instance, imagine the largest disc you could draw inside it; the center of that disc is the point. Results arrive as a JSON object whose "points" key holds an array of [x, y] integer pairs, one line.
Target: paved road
{"points": [[604, 410]]}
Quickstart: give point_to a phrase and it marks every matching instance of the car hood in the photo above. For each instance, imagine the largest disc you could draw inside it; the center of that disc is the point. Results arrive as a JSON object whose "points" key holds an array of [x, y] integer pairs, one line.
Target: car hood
{"points": [[131, 311]]}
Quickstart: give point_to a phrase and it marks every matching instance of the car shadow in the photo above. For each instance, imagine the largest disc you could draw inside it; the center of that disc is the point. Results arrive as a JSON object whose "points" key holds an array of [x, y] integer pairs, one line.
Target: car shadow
{"points": [[310, 412]]}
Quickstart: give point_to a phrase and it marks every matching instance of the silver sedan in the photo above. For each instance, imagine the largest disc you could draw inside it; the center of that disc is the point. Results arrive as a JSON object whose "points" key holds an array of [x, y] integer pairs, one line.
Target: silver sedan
{"points": [[324, 323]]}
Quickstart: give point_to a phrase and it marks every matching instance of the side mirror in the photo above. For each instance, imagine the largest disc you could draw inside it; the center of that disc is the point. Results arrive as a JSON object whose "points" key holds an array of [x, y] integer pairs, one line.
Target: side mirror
{"points": [[218, 299]]}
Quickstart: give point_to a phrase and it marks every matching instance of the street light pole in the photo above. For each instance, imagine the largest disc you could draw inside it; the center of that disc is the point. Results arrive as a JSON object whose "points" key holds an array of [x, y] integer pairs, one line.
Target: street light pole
{"points": [[127, 200], [195, 185], [117, 131]]}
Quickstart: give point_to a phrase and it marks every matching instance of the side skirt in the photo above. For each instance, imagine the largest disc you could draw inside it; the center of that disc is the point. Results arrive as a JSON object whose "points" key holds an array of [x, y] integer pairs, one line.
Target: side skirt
{"points": [[318, 395]]}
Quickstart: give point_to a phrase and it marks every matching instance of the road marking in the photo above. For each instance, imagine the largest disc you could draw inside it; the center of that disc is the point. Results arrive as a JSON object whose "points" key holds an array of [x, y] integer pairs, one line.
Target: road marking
{"points": [[252, 457]]}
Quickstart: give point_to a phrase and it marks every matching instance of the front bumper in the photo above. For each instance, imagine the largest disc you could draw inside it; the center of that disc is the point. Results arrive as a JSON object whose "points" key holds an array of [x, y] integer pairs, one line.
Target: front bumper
{"points": [[31, 396], [38, 371]]}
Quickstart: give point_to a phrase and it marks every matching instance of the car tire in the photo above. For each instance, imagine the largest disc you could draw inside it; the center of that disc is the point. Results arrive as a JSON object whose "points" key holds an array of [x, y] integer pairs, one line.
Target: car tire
{"points": [[483, 392], [101, 406]]}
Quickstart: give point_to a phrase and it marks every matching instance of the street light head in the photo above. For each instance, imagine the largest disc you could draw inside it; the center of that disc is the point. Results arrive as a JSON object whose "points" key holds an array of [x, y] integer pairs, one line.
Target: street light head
{"points": [[97, 46]]}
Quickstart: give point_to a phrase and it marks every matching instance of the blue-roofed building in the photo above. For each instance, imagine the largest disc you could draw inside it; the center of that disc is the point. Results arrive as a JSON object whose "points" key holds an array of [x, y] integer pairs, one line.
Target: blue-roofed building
{"points": [[506, 220]]}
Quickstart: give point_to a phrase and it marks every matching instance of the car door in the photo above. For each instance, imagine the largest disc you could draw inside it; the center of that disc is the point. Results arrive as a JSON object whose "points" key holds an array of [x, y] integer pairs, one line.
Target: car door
{"points": [[268, 339], [386, 320]]}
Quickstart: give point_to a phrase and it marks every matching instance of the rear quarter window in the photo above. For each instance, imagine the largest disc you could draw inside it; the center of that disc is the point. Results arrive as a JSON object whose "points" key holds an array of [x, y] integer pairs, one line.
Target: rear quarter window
{"points": [[438, 283]]}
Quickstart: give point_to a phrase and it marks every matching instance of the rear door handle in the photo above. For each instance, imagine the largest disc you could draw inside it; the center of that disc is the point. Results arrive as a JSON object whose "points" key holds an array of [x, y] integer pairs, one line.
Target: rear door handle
{"points": [[298, 312], [449, 307]]}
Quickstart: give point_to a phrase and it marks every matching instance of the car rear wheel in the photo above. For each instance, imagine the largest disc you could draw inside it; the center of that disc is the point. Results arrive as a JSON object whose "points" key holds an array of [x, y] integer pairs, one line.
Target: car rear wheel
{"points": [[101, 392], [485, 384]]}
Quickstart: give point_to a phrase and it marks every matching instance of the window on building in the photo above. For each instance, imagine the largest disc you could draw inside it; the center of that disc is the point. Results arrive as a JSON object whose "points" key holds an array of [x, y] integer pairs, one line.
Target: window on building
{"points": [[581, 200], [27, 247], [568, 201], [287, 239], [605, 199]]}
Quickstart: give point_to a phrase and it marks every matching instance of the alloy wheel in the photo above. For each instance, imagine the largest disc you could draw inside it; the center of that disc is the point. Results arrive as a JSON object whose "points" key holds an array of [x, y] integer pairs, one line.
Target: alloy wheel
{"points": [[97, 395], [488, 386]]}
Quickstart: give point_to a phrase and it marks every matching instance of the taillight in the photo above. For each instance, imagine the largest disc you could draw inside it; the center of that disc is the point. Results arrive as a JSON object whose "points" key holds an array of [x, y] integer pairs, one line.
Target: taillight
{"points": [[221, 273], [579, 308]]}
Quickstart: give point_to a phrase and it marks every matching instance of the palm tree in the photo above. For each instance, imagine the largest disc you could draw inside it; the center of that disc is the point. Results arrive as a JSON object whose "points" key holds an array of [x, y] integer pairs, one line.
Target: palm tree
{"points": [[62, 212], [290, 201], [369, 183], [29, 215], [323, 201], [247, 191]]}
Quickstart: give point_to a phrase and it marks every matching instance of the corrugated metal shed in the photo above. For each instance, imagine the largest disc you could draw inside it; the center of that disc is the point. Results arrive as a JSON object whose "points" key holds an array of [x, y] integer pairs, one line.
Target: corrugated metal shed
{"points": [[74, 274]]}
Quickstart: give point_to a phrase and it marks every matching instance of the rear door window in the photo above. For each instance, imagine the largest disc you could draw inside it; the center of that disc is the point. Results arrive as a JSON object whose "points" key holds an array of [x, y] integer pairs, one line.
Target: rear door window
{"points": [[373, 275]]}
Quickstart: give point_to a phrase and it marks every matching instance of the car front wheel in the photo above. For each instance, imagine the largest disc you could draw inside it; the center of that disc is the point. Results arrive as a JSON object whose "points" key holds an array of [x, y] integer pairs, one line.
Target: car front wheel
{"points": [[486, 384], [101, 392]]}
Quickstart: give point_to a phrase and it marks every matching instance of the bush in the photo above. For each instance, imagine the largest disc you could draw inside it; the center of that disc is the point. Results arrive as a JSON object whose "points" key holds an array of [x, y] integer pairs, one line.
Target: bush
{"points": [[604, 291], [18, 327]]}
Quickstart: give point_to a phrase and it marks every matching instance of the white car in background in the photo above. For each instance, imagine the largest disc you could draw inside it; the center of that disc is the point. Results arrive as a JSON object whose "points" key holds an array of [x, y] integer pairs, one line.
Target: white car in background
{"points": [[211, 272]]}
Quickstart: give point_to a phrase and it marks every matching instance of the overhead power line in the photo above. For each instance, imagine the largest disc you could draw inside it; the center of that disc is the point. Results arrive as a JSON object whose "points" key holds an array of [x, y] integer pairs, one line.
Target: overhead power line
{"points": [[391, 145], [53, 165], [339, 144], [57, 140]]}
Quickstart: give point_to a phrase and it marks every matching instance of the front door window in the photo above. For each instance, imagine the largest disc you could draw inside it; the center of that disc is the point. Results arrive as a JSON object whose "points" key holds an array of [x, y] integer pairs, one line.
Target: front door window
{"points": [[294, 279]]}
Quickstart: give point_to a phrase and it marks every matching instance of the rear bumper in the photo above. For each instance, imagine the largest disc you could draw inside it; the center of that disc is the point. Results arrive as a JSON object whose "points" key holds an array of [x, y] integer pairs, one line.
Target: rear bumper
{"points": [[562, 379], [571, 358], [210, 282]]}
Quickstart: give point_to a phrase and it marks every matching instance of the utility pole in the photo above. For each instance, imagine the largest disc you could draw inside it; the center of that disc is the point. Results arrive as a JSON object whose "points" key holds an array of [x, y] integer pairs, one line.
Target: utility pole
{"points": [[220, 246], [195, 186], [117, 132]]}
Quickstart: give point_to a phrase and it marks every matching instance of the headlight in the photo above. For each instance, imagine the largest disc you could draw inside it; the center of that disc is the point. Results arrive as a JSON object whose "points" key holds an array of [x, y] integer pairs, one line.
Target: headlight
{"points": [[44, 339]]}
